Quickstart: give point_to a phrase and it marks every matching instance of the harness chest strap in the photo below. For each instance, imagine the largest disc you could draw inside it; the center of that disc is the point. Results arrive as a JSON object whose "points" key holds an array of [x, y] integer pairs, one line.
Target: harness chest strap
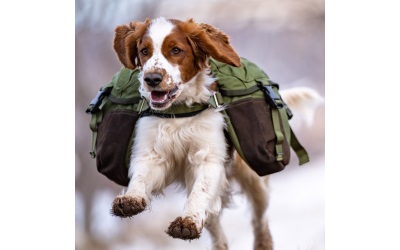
{"points": [[176, 111], [181, 110]]}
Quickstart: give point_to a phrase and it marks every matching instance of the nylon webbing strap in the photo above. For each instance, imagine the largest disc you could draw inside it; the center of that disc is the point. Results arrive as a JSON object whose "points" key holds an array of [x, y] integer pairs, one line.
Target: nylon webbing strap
{"points": [[92, 124], [298, 149], [282, 112], [278, 133], [285, 123], [142, 106], [93, 151], [177, 111], [239, 92], [94, 120], [126, 101], [150, 112]]}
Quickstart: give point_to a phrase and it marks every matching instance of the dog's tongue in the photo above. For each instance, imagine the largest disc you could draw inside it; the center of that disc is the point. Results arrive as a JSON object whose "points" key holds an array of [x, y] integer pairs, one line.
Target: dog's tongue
{"points": [[159, 96]]}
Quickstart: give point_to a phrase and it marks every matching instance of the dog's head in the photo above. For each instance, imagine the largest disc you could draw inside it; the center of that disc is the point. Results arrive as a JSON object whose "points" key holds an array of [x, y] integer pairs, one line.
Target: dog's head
{"points": [[170, 54]]}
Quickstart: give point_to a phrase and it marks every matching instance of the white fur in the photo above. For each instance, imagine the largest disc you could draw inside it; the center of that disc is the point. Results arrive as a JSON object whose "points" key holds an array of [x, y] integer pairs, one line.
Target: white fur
{"points": [[303, 102], [192, 92], [192, 151]]}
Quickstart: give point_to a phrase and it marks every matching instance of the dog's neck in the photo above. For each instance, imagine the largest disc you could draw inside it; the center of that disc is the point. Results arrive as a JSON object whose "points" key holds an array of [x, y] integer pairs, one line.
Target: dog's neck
{"points": [[198, 89]]}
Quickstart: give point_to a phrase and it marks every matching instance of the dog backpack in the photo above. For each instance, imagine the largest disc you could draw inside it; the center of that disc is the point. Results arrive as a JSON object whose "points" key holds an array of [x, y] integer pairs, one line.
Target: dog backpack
{"points": [[256, 118], [114, 113]]}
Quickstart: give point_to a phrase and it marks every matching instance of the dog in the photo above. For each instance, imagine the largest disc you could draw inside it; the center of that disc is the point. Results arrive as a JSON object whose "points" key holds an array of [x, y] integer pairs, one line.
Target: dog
{"points": [[172, 56]]}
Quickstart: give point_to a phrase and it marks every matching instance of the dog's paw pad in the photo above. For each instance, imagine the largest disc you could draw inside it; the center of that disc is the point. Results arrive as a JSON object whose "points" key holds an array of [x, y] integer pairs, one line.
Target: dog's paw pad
{"points": [[183, 228], [127, 206]]}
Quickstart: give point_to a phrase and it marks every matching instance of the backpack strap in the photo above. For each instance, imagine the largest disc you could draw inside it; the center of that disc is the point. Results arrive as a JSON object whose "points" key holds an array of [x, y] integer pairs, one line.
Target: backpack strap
{"points": [[125, 101], [298, 149], [239, 92], [285, 115], [278, 134], [176, 111], [279, 117], [96, 118], [95, 105], [93, 127]]}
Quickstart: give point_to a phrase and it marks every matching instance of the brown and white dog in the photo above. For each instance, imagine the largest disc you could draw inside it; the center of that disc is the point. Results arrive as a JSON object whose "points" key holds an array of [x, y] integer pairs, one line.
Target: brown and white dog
{"points": [[172, 56]]}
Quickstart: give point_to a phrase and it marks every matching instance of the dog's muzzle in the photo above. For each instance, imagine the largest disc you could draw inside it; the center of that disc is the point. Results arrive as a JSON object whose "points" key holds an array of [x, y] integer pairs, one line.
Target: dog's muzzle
{"points": [[160, 99]]}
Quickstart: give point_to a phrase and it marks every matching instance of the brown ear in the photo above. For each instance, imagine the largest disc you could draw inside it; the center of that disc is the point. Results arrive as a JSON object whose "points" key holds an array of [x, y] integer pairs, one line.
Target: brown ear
{"points": [[125, 42], [214, 43]]}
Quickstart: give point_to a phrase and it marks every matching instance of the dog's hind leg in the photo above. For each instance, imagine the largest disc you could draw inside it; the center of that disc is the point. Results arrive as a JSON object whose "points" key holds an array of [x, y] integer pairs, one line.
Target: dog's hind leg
{"points": [[218, 237], [255, 188]]}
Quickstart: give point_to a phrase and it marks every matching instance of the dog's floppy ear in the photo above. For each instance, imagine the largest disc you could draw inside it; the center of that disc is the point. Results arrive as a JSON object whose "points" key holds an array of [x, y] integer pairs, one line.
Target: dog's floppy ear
{"points": [[209, 41], [126, 40]]}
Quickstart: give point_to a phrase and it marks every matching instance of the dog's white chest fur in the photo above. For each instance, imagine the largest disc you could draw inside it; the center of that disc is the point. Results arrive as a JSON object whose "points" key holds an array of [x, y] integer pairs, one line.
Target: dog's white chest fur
{"points": [[180, 144]]}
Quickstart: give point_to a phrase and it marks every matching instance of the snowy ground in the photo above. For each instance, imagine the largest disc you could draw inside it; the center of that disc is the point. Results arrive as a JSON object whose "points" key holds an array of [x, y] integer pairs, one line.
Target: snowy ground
{"points": [[296, 216], [296, 210]]}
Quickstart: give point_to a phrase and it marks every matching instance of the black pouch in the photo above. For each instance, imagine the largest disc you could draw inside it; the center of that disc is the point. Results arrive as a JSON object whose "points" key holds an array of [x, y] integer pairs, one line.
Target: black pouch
{"points": [[251, 119], [114, 116]]}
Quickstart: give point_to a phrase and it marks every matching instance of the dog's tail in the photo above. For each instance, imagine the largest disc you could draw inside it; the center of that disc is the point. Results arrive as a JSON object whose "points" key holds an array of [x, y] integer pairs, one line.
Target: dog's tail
{"points": [[303, 102]]}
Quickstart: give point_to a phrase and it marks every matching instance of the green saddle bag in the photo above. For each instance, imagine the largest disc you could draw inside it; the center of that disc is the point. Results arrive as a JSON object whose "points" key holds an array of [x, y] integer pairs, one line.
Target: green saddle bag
{"points": [[256, 118], [114, 113]]}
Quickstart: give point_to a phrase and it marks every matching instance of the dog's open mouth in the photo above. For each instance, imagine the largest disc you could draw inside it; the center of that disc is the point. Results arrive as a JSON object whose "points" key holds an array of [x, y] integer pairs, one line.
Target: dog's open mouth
{"points": [[160, 99]]}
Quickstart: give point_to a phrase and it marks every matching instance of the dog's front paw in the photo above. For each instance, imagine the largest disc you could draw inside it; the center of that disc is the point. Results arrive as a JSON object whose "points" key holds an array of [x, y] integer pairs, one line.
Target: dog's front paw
{"points": [[183, 228], [128, 206]]}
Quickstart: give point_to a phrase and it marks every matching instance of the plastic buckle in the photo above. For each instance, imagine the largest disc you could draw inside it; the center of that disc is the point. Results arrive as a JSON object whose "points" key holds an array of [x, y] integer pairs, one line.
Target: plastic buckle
{"points": [[288, 112], [95, 103], [279, 156], [92, 154], [272, 98]]}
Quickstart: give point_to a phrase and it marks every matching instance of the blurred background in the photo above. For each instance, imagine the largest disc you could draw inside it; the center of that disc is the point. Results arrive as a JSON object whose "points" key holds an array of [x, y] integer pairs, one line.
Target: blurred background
{"points": [[284, 37]]}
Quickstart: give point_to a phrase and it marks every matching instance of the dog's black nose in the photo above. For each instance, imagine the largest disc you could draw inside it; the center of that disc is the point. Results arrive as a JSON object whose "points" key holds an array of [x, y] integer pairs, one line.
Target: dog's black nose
{"points": [[153, 79]]}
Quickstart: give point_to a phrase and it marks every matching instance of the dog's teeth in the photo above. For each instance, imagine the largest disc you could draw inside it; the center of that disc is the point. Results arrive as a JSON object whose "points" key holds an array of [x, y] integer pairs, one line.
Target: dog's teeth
{"points": [[173, 92], [159, 96]]}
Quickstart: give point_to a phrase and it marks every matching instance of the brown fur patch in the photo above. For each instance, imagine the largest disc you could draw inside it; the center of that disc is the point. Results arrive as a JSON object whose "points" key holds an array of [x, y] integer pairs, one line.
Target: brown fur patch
{"points": [[127, 206], [204, 40], [208, 41], [125, 40], [214, 86], [183, 229]]}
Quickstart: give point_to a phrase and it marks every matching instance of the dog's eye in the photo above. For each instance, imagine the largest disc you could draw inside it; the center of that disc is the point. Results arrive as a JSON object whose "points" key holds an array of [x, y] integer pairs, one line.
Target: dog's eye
{"points": [[176, 50], [145, 51]]}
